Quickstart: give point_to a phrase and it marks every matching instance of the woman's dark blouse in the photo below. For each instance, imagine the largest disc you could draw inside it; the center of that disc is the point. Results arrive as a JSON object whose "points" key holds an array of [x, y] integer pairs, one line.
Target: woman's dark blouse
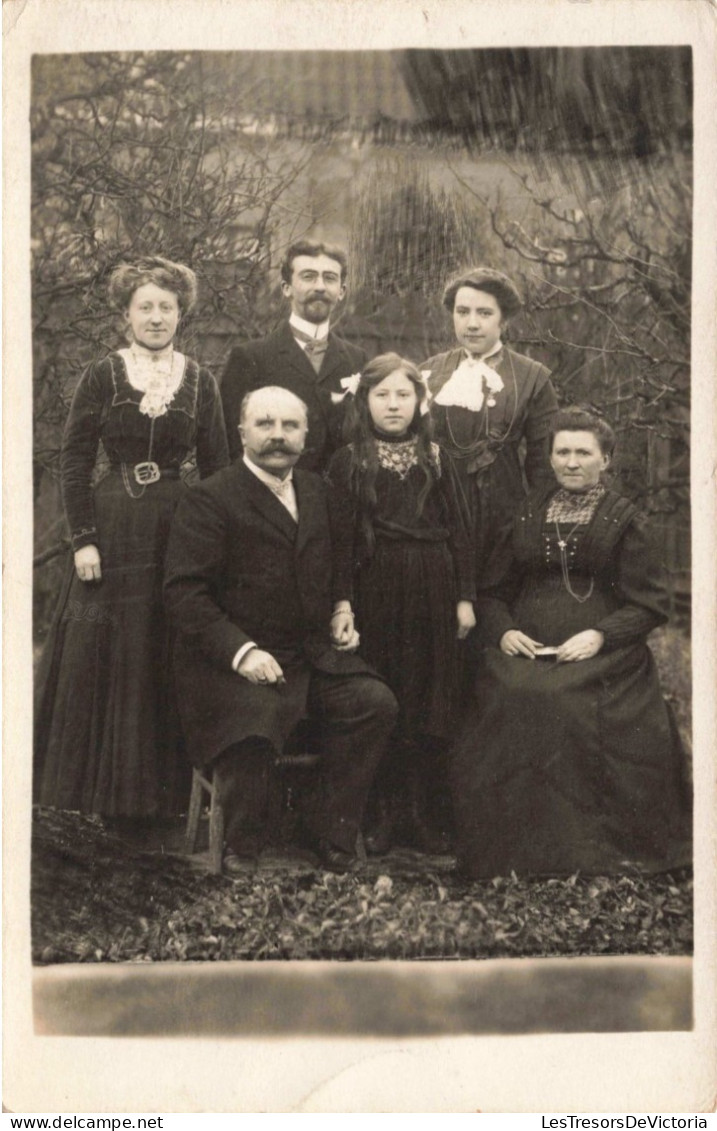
{"points": [[397, 519], [615, 549], [106, 406], [486, 445]]}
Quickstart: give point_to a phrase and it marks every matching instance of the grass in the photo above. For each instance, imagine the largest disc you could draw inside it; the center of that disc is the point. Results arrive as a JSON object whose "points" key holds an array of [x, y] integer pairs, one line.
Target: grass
{"points": [[96, 899]]}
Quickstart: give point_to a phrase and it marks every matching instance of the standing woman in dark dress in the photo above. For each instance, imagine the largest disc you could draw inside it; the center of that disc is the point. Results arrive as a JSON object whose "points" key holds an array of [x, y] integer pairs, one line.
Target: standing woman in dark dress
{"points": [[402, 551], [492, 408], [568, 758], [106, 734]]}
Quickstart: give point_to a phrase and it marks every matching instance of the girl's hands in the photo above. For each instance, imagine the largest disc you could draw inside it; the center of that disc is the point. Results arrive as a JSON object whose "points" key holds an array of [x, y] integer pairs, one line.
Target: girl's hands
{"points": [[87, 564], [351, 644], [342, 624], [516, 643], [582, 646], [465, 617], [344, 636]]}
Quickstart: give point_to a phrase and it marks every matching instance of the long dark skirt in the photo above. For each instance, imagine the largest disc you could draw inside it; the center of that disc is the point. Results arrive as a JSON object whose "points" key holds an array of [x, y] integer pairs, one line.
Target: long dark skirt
{"points": [[560, 768], [406, 615], [107, 737]]}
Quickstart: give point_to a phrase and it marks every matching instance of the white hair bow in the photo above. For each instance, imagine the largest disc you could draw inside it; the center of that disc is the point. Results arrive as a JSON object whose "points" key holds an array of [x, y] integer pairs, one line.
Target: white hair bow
{"points": [[425, 374]]}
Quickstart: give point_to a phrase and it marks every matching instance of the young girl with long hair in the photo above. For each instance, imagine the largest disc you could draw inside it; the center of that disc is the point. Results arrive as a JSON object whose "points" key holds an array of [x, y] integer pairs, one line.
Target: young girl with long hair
{"points": [[402, 549]]}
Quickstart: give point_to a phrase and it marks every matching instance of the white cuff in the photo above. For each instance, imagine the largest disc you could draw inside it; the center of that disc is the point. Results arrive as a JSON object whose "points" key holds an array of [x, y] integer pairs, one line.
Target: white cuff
{"points": [[241, 654], [342, 607]]}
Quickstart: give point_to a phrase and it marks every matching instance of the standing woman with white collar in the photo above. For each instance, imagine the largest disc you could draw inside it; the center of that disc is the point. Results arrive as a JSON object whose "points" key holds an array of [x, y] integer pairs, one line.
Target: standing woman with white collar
{"points": [[107, 739], [492, 408]]}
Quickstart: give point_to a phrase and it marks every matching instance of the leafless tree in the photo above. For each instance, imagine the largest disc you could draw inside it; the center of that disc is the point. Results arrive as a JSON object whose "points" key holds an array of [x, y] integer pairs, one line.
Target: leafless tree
{"points": [[139, 153], [608, 284]]}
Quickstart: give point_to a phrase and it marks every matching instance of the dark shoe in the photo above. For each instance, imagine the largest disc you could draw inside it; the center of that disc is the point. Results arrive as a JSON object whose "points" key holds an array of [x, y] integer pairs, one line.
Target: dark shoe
{"points": [[379, 841], [335, 859], [380, 835], [238, 864], [432, 841]]}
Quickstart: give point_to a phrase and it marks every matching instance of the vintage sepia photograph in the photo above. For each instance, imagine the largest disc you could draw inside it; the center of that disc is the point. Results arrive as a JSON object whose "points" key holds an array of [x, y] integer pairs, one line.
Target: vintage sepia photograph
{"points": [[363, 516]]}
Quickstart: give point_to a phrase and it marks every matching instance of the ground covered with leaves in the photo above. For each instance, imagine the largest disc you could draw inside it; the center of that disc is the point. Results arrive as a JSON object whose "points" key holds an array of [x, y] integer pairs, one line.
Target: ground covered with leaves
{"points": [[98, 899]]}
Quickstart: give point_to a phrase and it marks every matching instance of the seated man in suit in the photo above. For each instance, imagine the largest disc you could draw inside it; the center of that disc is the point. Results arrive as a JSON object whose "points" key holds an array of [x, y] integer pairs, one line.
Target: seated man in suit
{"points": [[248, 588], [303, 355]]}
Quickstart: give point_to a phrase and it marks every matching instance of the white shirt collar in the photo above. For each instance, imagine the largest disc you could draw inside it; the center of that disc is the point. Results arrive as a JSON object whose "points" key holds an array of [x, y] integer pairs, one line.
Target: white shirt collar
{"points": [[311, 328], [496, 349], [281, 489]]}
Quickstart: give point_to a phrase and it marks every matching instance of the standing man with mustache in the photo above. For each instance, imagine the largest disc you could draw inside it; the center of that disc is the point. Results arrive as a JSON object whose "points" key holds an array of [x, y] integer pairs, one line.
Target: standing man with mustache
{"points": [[248, 588], [303, 355]]}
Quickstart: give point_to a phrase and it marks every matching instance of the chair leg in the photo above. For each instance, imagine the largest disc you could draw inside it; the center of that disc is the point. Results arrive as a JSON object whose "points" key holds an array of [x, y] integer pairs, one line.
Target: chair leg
{"points": [[216, 833], [202, 784], [195, 811]]}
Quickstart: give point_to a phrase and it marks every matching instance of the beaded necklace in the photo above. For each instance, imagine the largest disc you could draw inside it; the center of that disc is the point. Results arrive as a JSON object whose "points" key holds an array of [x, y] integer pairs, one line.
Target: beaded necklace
{"points": [[564, 567], [582, 505]]}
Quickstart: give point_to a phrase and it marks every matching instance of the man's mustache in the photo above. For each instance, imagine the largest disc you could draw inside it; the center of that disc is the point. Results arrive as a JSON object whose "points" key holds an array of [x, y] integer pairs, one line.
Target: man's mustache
{"points": [[278, 446]]}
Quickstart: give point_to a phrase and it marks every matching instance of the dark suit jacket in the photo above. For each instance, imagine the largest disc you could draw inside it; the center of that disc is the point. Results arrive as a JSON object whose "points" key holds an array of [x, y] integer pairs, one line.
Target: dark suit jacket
{"points": [[239, 569], [278, 360]]}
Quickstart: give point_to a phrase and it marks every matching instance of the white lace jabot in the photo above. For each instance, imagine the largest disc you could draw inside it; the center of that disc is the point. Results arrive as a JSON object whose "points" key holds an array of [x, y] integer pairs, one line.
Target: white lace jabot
{"points": [[471, 384], [156, 373]]}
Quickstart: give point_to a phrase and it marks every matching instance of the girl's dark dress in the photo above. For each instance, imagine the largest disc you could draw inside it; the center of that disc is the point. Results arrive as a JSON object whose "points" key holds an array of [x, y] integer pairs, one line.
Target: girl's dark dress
{"points": [[106, 733], [404, 594], [571, 766]]}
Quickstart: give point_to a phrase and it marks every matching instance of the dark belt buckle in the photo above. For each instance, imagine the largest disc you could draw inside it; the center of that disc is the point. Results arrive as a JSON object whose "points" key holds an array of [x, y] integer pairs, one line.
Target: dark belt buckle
{"points": [[147, 472]]}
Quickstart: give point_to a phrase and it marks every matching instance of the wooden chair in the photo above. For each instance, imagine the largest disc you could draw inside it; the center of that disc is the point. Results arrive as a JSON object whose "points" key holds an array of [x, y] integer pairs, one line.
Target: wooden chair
{"points": [[203, 784]]}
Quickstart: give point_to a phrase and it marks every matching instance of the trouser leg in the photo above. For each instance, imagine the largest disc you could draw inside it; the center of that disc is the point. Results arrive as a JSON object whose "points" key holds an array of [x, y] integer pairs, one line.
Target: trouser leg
{"points": [[244, 775], [356, 715]]}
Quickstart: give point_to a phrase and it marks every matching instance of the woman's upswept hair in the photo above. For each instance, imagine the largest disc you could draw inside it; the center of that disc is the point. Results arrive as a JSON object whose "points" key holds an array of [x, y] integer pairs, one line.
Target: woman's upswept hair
{"points": [[579, 418], [361, 435], [487, 279], [174, 277]]}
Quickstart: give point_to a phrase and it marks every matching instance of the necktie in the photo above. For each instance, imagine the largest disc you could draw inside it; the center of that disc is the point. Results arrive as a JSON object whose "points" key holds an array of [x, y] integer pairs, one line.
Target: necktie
{"points": [[314, 348], [284, 493]]}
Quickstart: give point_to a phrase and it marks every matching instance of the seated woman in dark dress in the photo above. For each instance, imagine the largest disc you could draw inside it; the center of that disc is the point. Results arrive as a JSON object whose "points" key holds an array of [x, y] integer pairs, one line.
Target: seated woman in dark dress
{"points": [[107, 739], [568, 759]]}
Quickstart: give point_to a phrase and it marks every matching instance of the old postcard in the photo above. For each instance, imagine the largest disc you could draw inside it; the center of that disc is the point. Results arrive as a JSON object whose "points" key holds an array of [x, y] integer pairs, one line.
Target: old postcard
{"points": [[569, 144]]}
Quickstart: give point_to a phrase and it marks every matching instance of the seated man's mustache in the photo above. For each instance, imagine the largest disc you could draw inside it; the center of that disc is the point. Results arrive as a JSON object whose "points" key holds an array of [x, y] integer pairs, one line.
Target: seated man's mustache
{"points": [[277, 446]]}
